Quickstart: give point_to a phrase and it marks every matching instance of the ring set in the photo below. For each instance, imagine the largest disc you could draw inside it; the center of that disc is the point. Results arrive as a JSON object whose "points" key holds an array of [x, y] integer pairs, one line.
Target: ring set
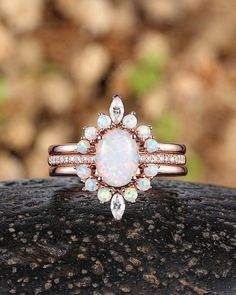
{"points": [[117, 158]]}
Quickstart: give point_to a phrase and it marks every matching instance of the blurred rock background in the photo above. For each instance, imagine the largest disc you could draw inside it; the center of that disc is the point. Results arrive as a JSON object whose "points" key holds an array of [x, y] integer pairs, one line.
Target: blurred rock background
{"points": [[173, 62]]}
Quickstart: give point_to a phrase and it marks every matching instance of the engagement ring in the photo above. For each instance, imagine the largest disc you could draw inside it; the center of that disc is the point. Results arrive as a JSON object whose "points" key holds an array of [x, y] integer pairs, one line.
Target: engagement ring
{"points": [[117, 158]]}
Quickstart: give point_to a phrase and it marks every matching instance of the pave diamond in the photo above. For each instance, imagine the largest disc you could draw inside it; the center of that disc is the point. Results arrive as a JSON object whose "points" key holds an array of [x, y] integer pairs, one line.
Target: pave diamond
{"points": [[143, 159]]}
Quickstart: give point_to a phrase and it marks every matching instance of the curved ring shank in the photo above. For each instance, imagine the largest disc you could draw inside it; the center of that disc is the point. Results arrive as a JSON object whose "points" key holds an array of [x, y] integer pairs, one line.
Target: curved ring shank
{"points": [[164, 170], [71, 148]]}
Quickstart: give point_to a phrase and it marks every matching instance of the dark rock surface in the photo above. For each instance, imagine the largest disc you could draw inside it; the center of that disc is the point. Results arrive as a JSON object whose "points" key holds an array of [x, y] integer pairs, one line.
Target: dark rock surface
{"points": [[179, 238]]}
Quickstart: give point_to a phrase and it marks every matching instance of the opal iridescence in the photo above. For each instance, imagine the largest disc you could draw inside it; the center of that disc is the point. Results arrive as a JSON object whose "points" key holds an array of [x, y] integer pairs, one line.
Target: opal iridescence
{"points": [[117, 157]]}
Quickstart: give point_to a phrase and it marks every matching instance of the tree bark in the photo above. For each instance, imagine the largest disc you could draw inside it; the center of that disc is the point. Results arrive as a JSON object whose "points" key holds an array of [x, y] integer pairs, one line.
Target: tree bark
{"points": [[178, 238]]}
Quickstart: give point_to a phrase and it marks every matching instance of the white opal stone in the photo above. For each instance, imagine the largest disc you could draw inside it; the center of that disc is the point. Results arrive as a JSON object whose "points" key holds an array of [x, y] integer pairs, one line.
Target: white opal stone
{"points": [[104, 121], [151, 170], [90, 133], [151, 145], [104, 194], [130, 121], [117, 157], [143, 184], [144, 131], [91, 184], [83, 171], [83, 146], [117, 206], [130, 194]]}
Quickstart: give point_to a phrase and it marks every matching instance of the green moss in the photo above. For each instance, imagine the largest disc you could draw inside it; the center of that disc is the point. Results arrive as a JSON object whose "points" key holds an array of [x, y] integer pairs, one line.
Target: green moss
{"points": [[147, 72]]}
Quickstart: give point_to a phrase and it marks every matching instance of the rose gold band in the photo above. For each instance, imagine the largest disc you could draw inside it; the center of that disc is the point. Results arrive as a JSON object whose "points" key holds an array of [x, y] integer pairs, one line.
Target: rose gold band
{"points": [[71, 148], [164, 170]]}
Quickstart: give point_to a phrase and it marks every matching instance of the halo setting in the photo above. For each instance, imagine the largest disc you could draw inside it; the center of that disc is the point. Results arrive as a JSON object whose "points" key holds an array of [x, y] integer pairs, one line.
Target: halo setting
{"points": [[117, 142]]}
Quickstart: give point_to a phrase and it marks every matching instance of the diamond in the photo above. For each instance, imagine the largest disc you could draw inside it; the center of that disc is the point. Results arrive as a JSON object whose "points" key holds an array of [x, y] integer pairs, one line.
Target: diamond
{"points": [[83, 146], [78, 159], [104, 194], [117, 206], [72, 159], [130, 194], [151, 170], [90, 133], [151, 145], [104, 121], [130, 121], [143, 184], [116, 109], [144, 132], [142, 158], [91, 184], [83, 171]]}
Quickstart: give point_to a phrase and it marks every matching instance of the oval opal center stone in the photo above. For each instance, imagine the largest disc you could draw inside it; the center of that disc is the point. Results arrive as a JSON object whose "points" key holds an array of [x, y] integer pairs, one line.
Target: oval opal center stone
{"points": [[117, 157]]}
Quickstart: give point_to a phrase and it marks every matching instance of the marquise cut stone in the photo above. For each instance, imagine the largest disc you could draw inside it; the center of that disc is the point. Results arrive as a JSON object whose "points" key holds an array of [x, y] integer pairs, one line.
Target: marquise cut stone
{"points": [[117, 157], [117, 206], [116, 109]]}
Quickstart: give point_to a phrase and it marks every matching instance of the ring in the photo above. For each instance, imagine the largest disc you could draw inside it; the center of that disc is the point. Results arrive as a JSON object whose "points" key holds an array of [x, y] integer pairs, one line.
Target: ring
{"points": [[117, 158]]}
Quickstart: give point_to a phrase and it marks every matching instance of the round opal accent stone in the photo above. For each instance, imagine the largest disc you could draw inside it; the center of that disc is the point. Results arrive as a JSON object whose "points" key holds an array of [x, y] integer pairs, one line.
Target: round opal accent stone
{"points": [[151, 170], [144, 132], [90, 133], [151, 145], [130, 121], [104, 121], [117, 157], [83, 146], [91, 184], [83, 171], [130, 194], [143, 184], [104, 194]]}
